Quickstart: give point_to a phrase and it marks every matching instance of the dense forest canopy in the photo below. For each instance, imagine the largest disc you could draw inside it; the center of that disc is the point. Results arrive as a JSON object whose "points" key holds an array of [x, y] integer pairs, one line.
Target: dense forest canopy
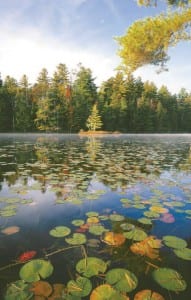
{"points": [[62, 104]]}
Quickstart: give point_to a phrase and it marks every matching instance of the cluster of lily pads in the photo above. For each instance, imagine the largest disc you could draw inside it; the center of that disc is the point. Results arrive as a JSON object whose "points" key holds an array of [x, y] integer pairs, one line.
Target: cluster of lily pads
{"points": [[114, 282], [77, 161], [71, 174]]}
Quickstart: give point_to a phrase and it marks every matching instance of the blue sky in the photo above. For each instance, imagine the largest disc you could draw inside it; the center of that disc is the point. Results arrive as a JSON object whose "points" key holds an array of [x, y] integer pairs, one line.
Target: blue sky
{"points": [[43, 33]]}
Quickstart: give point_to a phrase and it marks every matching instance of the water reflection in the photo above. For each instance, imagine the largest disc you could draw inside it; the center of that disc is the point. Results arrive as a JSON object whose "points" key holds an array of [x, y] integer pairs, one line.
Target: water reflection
{"points": [[117, 162], [49, 181]]}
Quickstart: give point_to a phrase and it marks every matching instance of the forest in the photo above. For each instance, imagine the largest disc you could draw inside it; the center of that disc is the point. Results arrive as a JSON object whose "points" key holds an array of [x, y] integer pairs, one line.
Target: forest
{"points": [[64, 103], [70, 101]]}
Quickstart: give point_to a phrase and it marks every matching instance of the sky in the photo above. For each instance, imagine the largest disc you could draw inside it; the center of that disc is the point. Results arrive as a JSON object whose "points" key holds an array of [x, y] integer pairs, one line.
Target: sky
{"points": [[36, 34]]}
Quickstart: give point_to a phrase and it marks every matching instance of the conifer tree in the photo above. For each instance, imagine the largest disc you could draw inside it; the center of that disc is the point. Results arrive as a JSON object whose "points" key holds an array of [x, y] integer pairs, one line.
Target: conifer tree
{"points": [[94, 120]]}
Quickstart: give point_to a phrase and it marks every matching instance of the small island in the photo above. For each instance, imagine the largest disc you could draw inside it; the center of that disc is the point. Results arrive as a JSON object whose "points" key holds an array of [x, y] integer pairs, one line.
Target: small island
{"points": [[98, 132]]}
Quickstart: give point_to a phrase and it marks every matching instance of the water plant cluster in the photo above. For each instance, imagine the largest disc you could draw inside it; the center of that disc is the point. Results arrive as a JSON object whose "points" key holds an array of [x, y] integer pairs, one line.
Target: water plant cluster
{"points": [[72, 231]]}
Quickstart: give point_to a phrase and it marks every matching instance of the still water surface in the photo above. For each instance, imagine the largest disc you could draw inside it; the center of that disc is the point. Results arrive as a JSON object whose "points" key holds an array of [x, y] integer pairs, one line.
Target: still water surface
{"points": [[116, 184]]}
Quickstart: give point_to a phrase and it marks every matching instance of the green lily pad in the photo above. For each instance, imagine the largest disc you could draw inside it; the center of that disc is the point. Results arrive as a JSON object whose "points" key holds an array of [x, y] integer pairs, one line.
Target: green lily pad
{"points": [[36, 269], [145, 221], [174, 242], [127, 226], [151, 214], [169, 279], [135, 235], [184, 253], [106, 292], [78, 222], [76, 239], [122, 279], [18, 290], [92, 214], [116, 217], [60, 231], [103, 217], [139, 206], [80, 287], [91, 266], [97, 229]]}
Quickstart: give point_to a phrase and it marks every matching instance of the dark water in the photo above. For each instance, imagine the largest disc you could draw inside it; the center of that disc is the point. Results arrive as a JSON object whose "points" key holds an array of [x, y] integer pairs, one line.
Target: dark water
{"points": [[51, 180]]}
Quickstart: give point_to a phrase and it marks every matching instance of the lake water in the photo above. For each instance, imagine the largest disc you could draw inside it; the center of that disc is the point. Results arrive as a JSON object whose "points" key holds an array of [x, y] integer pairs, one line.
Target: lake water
{"points": [[128, 198]]}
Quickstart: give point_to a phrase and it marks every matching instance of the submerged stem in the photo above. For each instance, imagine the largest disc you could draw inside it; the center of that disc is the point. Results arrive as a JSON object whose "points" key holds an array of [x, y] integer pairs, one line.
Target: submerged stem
{"points": [[60, 250]]}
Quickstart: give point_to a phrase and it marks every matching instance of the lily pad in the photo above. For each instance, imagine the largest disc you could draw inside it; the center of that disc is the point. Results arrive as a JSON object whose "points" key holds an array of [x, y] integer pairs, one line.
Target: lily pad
{"points": [[122, 279], [78, 222], [151, 214], [60, 231], [92, 220], [36, 269], [92, 214], [148, 295], [97, 229], [58, 291], [169, 279], [145, 221], [116, 217], [135, 234], [80, 287], [76, 239], [91, 266], [10, 230], [127, 226], [167, 218], [18, 290], [148, 247], [113, 239], [174, 242], [184, 253], [41, 288], [159, 209], [106, 292]]}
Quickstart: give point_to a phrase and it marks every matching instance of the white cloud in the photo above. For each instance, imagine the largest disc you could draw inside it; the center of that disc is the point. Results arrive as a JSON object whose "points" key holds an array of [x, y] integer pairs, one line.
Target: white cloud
{"points": [[28, 53], [174, 79]]}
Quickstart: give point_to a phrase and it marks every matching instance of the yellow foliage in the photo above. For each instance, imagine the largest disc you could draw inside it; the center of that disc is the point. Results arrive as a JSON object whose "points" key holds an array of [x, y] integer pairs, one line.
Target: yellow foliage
{"points": [[113, 239], [147, 41], [148, 247]]}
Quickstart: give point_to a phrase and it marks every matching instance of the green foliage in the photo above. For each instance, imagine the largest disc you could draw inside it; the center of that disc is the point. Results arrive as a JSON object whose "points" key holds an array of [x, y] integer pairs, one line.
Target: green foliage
{"points": [[36, 269], [169, 279], [60, 231], [94, 120], [18, 290], [80, 287], [122, 279], [123, 104], [147, 41], [91, 266]]}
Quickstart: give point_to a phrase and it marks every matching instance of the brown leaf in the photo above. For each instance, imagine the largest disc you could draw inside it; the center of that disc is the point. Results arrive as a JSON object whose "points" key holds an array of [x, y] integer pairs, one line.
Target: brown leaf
{"points": [[113, 239], [57, 291], [149, 295], [41, 288], [10, 230], [148, 247]]}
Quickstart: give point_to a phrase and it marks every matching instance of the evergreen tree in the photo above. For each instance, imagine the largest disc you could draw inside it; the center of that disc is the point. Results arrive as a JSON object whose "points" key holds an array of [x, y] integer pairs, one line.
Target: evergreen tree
{"points": [[84, 93], [23, 106], [94, 120]]}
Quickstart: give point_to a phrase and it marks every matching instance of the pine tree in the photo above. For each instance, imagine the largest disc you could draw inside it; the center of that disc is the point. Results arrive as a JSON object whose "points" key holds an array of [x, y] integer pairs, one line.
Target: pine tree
{"points": [[94, 120]]}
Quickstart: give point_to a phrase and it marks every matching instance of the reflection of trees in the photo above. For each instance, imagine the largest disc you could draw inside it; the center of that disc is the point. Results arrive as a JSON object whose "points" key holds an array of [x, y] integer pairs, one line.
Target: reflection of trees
{"points": [[185, 163], [72, 163], [93, 147]]}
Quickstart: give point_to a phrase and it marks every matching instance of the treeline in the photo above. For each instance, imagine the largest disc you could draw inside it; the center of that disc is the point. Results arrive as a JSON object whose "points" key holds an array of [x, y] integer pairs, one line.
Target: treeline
{"points": [[64, 102]]}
